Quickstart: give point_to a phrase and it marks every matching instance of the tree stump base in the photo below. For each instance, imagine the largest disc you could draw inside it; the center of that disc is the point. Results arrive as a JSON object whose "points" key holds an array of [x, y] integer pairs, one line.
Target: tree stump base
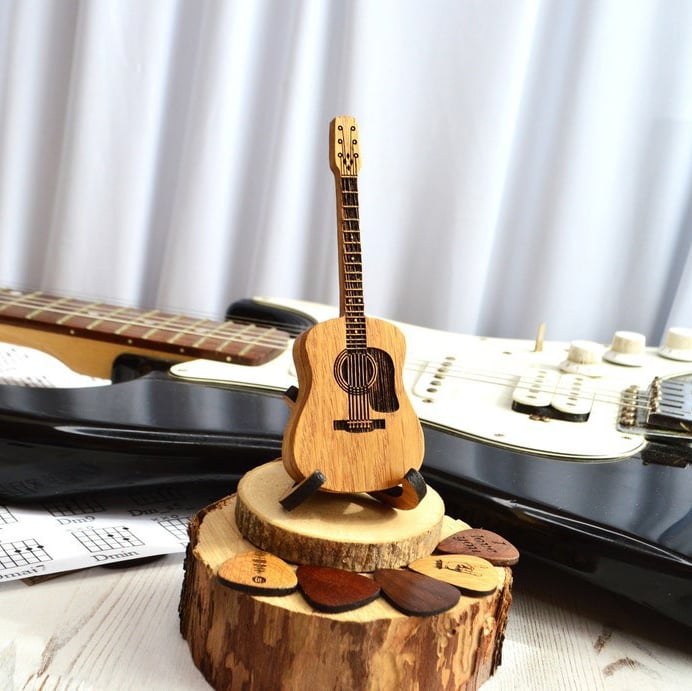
{"points": [[250, 642], [347, 531]]}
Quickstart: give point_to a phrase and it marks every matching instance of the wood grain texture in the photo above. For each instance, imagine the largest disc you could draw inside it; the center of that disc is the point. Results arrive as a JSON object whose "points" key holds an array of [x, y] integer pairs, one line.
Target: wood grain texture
{"points": [[258, 572], [481, 543], [469, 573], [335, 590], [347, 531], [351, 462], [240, 641], [416, 594], [110, 630]]}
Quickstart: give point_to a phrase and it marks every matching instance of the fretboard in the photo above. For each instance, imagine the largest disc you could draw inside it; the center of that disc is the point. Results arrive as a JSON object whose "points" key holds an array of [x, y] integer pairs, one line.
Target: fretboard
{"points": [[181, 336], [353, 306]]}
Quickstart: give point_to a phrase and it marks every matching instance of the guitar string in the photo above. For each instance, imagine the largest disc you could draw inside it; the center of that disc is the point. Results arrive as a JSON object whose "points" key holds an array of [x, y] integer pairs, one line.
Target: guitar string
{"points": [[358, 405], [221, 331], [427, 367], [612, 396]]}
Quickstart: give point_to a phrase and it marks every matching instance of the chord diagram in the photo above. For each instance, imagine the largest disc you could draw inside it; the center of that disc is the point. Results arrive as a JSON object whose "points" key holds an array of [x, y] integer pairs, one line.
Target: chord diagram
{"points": [[104, 539], [73, 507], [6, 516], [177, 527], [22, 553]]}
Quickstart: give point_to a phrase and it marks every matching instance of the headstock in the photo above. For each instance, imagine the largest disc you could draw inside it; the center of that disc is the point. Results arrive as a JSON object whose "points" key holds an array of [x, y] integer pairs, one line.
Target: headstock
{"points": [[344, 151]]}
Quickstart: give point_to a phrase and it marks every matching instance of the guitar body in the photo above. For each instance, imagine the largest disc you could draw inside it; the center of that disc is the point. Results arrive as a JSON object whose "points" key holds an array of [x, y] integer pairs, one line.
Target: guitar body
{"points": [[352, 419]]}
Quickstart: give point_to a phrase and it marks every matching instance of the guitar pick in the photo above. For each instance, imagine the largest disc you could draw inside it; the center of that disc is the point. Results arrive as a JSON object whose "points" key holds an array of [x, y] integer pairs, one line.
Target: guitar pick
{"points": [[415, 594], [481, 543], [469, 573], [335, 590], [258, 573]]}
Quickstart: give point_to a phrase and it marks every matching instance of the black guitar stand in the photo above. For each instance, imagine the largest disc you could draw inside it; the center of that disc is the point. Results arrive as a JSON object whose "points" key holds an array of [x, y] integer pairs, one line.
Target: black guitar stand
{"points": [[405, 496]]}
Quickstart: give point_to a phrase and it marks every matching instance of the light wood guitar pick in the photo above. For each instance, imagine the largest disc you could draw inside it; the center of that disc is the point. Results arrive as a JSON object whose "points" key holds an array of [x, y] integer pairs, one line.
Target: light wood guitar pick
{"points": [[415, 594], [481, 543], [335, 590], [470, 574], [259, 573]]}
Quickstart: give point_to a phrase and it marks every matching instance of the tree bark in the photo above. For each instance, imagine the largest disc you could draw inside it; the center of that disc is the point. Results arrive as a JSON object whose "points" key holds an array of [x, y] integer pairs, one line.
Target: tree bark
{"points": [[242, 641]]}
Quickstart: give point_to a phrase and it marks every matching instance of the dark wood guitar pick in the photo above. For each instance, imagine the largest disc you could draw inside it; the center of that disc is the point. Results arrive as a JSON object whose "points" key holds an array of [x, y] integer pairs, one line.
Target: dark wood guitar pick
{"points": [[258, 573], [335, 590], [415, 594], [472, 574], [481, 543]]}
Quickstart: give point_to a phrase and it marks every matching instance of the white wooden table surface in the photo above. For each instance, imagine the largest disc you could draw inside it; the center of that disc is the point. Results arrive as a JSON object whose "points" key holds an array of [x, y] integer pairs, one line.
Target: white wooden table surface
{"points": [[117, 629]]}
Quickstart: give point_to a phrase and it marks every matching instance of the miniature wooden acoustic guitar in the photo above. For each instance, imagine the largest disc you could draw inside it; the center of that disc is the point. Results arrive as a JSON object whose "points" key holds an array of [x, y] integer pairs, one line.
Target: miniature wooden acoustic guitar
{"points": [[351, 420]]}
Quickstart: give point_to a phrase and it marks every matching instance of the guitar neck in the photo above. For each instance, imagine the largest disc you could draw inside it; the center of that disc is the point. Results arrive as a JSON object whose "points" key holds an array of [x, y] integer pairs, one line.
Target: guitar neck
{"points": [[345, 164], [352, 305], [62, 325]]}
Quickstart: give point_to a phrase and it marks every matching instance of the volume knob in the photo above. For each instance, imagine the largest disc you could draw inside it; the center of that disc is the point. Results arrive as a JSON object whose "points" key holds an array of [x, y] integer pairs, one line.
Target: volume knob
{"points": [[584, 357], [627, 348], [677, 344]]}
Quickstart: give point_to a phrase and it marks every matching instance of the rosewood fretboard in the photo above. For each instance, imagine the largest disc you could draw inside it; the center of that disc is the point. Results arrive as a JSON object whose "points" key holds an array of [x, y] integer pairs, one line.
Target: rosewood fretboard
{"points": [[184, 337], [352, 303]]}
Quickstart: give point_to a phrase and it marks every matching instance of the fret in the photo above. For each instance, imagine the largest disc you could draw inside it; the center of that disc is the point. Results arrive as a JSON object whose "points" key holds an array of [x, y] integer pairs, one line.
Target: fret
{"points": [[151, 330], [105, 321], [254, 342], [40, 310], [163, 326], [251, 344], [132, 326], [16, 294], [192, 326], [210, 335]]}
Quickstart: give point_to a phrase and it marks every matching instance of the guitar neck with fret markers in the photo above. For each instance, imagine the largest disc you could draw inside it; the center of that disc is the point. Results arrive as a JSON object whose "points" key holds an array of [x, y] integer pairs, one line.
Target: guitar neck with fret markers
{"points": [[88, 336]]}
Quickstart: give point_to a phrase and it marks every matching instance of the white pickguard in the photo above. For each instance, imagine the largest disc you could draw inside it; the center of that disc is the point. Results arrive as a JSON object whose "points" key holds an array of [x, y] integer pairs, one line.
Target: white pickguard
{"points": [[465, 385]]}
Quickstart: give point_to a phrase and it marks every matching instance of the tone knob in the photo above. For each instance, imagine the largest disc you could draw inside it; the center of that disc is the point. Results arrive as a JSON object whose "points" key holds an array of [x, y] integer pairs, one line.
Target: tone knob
{"points": [[677, 344], [627, 348], [584, 357]]}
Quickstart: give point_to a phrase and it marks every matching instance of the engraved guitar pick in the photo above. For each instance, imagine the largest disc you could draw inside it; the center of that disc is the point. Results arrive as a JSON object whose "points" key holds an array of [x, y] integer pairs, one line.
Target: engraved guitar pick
{"points": [[481, 543], [335, 590], [470, 574], [415, 594], [258, 573]]}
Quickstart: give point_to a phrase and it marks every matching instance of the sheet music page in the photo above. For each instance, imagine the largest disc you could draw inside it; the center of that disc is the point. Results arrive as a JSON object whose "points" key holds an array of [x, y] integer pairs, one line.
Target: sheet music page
{"points": [[83, 531], [29, 367]]}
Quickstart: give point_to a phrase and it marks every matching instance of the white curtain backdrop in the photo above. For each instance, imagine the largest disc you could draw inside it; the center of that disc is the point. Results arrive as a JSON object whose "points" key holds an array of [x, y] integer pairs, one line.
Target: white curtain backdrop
{"points": [[522, 161]]}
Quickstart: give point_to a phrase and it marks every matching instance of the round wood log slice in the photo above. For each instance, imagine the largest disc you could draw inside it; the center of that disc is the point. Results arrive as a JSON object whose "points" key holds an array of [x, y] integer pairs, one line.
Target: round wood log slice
{"points": [[347, 531], [254, 643]]}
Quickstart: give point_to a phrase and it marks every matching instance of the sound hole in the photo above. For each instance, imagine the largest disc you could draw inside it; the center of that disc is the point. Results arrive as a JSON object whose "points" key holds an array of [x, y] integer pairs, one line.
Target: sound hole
{"points": [[355, 371]]}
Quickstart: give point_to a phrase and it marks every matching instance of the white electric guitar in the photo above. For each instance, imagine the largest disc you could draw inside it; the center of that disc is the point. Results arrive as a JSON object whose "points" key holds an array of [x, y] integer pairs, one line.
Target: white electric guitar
{"points": [[577, 401]]}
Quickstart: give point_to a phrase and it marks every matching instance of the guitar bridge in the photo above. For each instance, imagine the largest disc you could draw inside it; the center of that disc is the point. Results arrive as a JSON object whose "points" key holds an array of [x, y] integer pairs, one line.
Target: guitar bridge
{"points": [[358, 425], [663, 411]]}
